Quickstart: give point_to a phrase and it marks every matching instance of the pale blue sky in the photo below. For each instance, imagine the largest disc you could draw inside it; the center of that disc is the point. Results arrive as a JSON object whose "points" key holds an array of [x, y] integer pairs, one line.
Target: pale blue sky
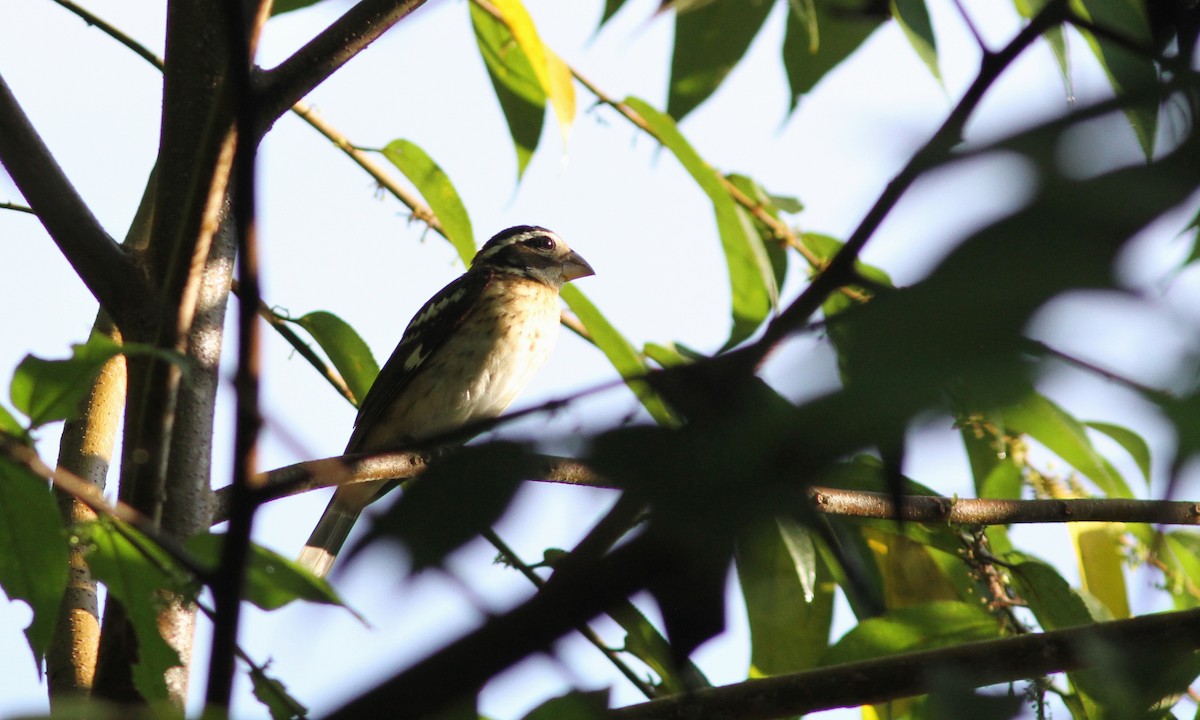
{"points": [[329, 242]]}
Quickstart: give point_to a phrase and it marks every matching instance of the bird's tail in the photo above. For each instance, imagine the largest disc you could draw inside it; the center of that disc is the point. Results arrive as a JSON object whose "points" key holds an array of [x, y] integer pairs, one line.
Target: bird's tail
{"points": [[328, 537]]}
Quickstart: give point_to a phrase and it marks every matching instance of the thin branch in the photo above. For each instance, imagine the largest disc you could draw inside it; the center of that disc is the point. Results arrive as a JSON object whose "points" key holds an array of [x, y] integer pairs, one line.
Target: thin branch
{"points": [[510, 556], [100, 263], [366, 467], [288, 83], [227, 584], [93, 497], [964, 511], [975, 664], [366, 160], [280, 325], [112, 31], [840, 269], [1154, 394], [16, 207]]}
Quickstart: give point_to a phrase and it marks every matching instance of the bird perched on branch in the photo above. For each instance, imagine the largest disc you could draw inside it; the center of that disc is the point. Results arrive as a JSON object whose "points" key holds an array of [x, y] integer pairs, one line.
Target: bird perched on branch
{"points": [[463, 357]]}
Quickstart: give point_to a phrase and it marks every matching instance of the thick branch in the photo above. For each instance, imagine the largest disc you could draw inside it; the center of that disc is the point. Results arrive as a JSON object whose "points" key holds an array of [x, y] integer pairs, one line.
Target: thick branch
{"points": [[101, 264], [973, 664], [349, 35]]}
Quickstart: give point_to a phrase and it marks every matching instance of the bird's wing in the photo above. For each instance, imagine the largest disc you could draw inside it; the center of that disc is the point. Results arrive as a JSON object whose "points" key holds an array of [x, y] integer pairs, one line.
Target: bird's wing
{"points": [[428, 331]]}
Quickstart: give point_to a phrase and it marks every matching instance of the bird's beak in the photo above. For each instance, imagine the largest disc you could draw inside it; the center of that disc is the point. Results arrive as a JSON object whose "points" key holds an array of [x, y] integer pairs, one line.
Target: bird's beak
{"points": [[575, 267]]}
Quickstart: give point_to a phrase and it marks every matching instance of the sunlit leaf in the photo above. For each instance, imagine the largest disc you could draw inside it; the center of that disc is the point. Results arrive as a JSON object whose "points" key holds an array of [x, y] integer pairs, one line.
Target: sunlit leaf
{"points": [[33, 551], [789, 597], [919, 627], [1099, 550], [435, 186], [136, 571], [623, 356], [751, 277], [1043, 420], [819, 36], [1133, 443], [548, 68], [709, 40], [521, 96], [913, 18], [9, 424], [52, 390], [345, 349], [776, 249], [1181, 552]]}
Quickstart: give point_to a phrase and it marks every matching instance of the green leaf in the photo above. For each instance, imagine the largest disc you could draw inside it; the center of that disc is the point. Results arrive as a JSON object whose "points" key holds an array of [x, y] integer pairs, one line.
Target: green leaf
{"points": [[918, 627], [1041, 419], [611, 7], [272, 580], [9, 424], [776, 249], [280, 7], [751, 276], [789, 597], [1128, 71], [345, 349], [434, 185], [1182, 556], [136, 571], [275, 697], [710, 39], [33, 551], [623, 355], [913, 17], [552, 74], [518, 90], [819, 36], [1053, 602], [52, 390], [575, 705], [1131, 441], [646, 643]]}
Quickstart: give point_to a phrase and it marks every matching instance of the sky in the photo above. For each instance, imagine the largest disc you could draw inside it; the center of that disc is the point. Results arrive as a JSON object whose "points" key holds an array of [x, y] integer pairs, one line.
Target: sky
{"points": [[329, 241]]}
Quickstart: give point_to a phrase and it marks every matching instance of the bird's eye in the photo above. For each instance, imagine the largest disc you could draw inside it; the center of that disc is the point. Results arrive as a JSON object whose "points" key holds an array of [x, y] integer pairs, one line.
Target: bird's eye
{"points": [[541, 242]]}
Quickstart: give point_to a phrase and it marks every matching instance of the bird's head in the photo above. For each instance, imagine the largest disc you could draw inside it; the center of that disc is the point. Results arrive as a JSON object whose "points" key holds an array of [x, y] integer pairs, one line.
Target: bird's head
{"points": [[533, 252]]}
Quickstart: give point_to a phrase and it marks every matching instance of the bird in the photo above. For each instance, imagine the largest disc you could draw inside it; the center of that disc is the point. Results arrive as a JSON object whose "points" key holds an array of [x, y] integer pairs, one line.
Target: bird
{"points": [[463, 357]]}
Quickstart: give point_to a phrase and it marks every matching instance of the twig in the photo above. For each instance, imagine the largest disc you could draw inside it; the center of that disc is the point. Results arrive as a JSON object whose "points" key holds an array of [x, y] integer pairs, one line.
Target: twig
{"points": [[227, 584], [93, 497], [840, 269], [285, 85], [16, 207], [280, 325], [112, 31], [1154, 394], [365, 467], [511, 557], [969, 511]]}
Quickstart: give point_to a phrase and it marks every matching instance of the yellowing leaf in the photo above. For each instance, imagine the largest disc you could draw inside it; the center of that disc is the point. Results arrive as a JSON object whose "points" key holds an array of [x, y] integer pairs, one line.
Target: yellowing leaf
{"points": [[1101, 564], [551, 72]]}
